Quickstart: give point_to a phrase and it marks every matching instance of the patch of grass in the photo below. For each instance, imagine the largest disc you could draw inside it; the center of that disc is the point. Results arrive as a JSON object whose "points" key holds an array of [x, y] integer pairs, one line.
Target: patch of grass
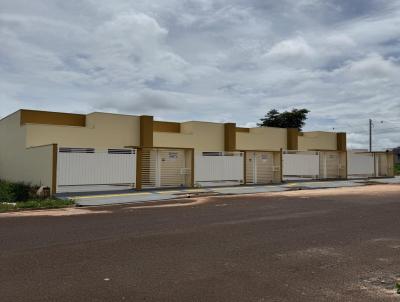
{"points": [[397, 169], [15, 191], [398, 287], [52, 203]]}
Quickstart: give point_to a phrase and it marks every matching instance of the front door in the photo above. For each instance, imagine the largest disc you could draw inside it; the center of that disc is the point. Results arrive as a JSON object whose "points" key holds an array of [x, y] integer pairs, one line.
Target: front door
{"points": [[259, 167]]}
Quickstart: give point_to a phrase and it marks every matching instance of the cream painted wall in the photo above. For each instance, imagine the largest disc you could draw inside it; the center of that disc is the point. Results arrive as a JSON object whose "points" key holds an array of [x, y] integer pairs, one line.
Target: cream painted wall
{"points": [[202, 136], [318, 140], [262, 138], [17, 163], [103, 130]]}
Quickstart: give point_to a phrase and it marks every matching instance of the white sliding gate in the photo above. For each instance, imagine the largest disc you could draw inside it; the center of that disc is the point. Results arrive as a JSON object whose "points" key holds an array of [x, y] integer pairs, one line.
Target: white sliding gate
{"points": [[219, 167], [87, 166], [302, 164], [370, 164], [360, 164], [314, 164]]}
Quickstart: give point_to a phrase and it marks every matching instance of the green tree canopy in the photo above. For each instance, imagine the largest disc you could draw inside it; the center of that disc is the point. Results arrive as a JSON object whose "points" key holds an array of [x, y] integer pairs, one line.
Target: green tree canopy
{"points": [[287, 119]]}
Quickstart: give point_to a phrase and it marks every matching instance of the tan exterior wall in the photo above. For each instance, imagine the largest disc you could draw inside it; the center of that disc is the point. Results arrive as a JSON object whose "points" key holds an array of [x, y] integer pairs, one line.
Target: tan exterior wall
{"points": [[202, 136], [52, 118], [27, 152], [18, 163], [160, 126], [317, 140], [265, 138], [384, 164], [103, 130]]}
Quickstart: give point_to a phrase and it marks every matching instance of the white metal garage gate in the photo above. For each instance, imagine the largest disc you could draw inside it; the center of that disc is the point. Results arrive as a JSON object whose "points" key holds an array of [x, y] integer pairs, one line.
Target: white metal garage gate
{"points": [[87, 166], [360, 164], [314, 164], [219, 168], [301, 164], [365, 164]]}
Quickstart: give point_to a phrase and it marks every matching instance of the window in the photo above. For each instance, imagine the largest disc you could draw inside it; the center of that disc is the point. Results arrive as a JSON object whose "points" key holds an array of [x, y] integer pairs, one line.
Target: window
{"points": [[76, 150], [121, 151], [212, 153]]}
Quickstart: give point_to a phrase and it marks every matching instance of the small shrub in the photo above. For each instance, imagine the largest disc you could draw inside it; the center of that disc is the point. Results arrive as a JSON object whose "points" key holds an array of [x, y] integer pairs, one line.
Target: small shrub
{"points": [[15, 196], [398, 287], [21, 191], [13, 192], [6, 194], [397, 169]]}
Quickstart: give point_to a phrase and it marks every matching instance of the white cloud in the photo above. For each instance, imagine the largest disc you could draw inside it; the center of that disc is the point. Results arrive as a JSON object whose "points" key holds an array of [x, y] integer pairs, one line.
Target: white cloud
{"points": [[215, 60], [296, 48], [339, 40], [372, 66]]}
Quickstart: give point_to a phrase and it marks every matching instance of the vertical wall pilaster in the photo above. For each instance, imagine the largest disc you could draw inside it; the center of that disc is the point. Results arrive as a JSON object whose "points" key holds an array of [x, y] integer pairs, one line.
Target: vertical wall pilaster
{"points": [[281, 164], [146, 131], [192, 169], [292, 138], [146, 141], [138, 169], [230, 136], [341, 141], [54, 172]]}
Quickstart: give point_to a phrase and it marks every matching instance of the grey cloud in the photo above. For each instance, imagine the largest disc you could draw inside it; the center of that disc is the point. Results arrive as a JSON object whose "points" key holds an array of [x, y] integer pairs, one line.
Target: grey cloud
{"points": [[215, 60]]}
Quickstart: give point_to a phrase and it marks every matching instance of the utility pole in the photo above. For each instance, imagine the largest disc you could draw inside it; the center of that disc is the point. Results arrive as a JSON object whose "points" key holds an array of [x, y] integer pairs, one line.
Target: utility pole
{"points": [[370, 135]]}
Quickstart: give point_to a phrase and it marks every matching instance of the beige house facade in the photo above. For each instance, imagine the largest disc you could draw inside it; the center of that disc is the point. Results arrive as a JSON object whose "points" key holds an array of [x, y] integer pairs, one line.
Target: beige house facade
{"points": [[40, 147]]}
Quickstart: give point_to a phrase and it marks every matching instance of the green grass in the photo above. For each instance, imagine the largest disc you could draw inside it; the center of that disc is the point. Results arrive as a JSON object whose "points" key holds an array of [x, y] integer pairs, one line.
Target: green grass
{"points": [[52, 203], [397, 169], [15, 191], [16, 196]]}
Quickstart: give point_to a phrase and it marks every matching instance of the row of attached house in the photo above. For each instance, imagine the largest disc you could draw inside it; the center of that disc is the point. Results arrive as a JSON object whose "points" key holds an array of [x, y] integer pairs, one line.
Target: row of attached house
{"points": [[59, 150]]}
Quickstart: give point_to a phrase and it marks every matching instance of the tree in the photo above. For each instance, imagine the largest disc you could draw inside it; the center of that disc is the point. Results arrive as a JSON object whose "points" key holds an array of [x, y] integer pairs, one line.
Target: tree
{"points": [[287, 119]]}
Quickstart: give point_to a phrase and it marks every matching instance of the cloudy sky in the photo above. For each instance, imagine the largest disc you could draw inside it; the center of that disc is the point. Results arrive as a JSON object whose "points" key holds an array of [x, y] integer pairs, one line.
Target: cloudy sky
{"points": [[217, 60]]}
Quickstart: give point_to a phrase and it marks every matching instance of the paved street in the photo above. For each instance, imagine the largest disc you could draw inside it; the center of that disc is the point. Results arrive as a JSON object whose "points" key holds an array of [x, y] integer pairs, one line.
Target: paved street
{"points": [[340, 244]]}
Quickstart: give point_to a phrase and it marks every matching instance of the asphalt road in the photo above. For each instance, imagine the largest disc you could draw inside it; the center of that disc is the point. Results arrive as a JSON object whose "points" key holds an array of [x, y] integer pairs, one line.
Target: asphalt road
{"points": [[320, 245]]}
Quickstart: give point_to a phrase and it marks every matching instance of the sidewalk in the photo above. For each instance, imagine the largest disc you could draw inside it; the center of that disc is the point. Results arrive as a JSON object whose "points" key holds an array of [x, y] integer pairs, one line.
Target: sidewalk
{"points": [[132, 197]]}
